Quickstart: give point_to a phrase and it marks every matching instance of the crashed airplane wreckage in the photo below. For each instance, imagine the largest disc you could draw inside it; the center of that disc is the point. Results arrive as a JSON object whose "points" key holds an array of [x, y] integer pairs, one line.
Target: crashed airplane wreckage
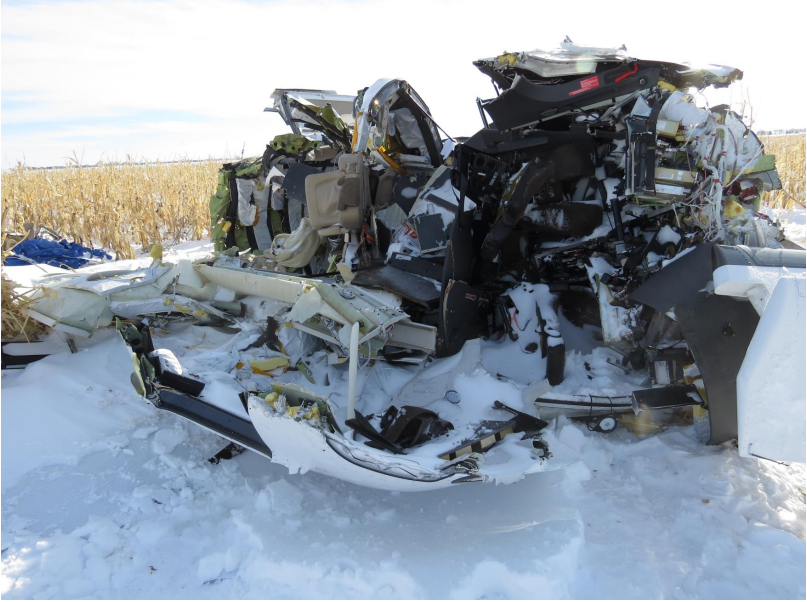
{"points": [[406, 311]]}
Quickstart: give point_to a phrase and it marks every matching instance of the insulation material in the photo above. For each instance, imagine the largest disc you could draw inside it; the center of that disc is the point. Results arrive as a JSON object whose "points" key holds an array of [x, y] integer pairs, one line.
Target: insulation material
{"points": [[403, 124]]}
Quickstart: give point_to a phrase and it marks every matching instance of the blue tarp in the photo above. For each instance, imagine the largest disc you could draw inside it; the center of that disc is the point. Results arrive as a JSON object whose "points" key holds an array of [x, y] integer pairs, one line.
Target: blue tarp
{"points": [[56, 253]]}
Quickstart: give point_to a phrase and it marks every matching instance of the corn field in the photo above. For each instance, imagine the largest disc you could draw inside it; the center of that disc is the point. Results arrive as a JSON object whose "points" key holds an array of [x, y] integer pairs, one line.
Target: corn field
{"points": [[126, 207], [790, 162], [121, 207]]}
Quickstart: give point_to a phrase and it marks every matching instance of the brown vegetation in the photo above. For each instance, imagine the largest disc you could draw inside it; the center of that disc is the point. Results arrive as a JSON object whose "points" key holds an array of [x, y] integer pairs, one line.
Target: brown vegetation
{"points": [[125, 206], [790, 162], [115, 206]]}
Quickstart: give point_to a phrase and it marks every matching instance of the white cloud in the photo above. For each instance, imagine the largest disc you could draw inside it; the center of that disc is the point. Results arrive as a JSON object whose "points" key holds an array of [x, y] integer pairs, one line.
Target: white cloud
{"points": [[219, 61]]}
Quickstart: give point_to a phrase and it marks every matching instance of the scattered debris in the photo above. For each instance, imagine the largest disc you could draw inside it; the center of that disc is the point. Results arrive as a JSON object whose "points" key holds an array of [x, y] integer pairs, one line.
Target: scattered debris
{"points": [[60, 254], [597, 246], [228, 453]]}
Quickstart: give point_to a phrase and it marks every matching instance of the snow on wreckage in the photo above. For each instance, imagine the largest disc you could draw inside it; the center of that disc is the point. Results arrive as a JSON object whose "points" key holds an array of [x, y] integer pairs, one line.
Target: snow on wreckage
{"points": [[407, 311]]}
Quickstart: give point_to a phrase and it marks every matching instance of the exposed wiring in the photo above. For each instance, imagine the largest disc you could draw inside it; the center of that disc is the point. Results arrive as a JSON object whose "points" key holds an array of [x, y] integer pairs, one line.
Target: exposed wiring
{"points": [[759, 152]]}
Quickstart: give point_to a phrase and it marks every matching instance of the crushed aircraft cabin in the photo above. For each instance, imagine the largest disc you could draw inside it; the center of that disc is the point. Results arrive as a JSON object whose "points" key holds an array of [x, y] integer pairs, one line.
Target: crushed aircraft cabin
{"points": [[405, 310]]}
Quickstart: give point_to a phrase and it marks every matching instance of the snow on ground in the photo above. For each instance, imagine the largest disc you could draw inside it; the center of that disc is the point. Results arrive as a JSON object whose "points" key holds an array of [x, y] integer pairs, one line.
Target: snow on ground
{"points": [[793, 220], [104, 496]]}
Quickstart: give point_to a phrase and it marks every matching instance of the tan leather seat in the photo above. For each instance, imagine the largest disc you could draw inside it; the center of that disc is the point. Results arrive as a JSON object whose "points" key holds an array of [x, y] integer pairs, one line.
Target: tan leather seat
{"points": [[339, 197]]}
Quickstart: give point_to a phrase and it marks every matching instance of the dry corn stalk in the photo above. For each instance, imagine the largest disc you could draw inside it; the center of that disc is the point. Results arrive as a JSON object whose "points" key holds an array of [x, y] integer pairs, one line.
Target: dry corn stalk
{"points": [[790, 163], [15, 321], [115, 206]]}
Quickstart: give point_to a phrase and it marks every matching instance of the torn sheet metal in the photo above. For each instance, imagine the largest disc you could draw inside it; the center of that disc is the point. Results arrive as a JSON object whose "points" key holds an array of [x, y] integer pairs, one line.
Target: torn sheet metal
{"points": [[584, 254], [375, 128], [424, 291], [303, 443], [343, 304]]}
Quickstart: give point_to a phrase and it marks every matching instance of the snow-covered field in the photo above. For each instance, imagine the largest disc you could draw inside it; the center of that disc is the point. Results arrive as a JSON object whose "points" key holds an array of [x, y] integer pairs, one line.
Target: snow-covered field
{"points": [[105, 496], [793, 222]]}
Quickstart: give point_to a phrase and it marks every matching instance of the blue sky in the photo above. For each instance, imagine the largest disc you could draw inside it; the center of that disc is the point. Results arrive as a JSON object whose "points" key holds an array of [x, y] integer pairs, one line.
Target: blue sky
{"points": [[107, 79]]}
